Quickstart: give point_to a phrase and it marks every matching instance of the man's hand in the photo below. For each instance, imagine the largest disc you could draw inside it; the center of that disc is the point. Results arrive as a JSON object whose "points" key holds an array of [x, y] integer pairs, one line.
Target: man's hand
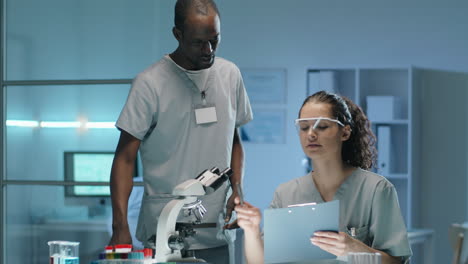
{"points": [[232, 225], [230, 207], [120, 236]]}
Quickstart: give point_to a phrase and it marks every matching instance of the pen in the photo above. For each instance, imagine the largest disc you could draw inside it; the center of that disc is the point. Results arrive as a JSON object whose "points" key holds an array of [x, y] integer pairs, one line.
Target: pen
{"points": [[241, 194]]}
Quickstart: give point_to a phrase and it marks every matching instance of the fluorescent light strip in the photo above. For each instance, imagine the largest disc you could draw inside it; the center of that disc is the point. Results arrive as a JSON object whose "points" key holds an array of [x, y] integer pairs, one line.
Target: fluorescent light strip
{"points": [[100, 125], [60, 124], [22, 123]]}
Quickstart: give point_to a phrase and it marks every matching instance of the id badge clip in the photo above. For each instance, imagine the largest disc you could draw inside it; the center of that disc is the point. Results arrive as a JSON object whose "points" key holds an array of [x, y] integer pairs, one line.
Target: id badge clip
{"points": [[205, 113]]}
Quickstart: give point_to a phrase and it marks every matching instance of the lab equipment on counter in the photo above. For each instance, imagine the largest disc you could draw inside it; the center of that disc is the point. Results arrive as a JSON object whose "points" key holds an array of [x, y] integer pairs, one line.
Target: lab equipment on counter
{"points": [[64, 252], [120, 254], [170, 240], [123, 248], [133, 261], [143, 256]]}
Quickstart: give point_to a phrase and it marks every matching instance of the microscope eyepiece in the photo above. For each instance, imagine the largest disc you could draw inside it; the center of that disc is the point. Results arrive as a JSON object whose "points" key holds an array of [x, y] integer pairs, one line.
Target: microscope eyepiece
{"points": [[215, 170], [226, 173]]}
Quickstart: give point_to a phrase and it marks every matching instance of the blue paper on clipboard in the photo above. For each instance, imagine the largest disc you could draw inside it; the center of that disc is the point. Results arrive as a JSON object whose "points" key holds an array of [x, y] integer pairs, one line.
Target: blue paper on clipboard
{"points": [[287, 232]]}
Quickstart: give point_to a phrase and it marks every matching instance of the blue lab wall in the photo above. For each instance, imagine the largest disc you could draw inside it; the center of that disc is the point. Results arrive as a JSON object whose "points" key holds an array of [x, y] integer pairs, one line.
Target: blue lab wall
{"points": [[86, 39], [116, 39]]}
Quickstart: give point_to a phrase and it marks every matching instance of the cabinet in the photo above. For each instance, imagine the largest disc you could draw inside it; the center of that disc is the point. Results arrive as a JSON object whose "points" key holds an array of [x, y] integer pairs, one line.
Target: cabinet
{"points": [[385, 95]]}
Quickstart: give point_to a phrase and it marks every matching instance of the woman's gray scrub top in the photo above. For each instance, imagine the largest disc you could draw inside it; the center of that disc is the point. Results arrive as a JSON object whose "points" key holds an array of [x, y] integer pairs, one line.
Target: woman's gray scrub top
{"points": [[368, 203]]}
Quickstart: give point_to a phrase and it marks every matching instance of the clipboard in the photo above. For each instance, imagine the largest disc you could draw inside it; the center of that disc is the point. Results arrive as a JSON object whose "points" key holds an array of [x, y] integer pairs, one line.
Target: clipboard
{"points": [[287, 231]]}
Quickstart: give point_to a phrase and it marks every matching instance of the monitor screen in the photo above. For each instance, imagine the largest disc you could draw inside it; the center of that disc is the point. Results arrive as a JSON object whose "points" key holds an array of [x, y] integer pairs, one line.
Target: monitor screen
{"points": [[88, 167]]}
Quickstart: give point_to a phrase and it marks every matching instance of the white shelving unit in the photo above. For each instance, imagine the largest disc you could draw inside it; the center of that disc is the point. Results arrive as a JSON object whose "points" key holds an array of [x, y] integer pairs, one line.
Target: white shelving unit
{"points": [[428, 143], [359, 83]]}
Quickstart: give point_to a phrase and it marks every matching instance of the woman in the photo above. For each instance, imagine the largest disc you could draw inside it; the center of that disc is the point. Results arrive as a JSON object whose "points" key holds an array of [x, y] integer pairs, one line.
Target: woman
{"points": [[335, 134]]}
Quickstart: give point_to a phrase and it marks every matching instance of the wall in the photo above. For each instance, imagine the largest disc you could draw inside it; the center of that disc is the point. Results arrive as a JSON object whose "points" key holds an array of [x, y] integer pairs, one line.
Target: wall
{"points": [[87, 39], [443, 153]]}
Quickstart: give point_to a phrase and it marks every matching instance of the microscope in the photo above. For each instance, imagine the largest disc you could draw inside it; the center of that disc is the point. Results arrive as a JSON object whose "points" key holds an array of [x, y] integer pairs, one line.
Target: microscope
{"points": [[170, 240]]}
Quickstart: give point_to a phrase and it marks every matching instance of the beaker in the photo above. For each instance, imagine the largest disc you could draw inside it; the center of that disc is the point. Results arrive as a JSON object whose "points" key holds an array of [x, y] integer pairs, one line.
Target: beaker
{"points": [[64, 252]]}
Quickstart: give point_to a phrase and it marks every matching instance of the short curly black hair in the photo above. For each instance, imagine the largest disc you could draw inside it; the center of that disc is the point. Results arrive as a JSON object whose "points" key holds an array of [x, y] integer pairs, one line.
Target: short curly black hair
{"points": [[359, 150], [182, 7]]}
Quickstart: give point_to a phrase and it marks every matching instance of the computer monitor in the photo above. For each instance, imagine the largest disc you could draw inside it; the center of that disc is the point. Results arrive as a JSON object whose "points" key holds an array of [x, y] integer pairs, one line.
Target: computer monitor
{"points": [[89, 166]]}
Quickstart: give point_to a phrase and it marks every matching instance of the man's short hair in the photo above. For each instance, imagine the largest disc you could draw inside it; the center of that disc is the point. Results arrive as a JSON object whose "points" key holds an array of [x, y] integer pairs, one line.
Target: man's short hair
{"points": [[183, 7]]}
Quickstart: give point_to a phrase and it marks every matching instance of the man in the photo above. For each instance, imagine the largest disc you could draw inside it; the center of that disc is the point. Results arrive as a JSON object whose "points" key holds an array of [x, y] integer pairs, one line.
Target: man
{"points": [[182, 113]]}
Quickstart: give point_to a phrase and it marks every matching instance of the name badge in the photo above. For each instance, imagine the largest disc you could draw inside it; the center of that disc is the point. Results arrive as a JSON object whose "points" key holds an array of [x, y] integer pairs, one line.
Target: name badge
{"points": [[205, 115]]}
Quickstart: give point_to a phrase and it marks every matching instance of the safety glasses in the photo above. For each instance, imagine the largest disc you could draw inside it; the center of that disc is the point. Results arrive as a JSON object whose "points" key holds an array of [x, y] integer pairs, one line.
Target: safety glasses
{"points": [[316, 123]]}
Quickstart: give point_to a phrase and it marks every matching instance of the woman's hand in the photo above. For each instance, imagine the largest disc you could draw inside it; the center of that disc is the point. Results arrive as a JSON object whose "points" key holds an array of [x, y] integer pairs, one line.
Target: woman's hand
{"points": [[248, 217], [338, 243]]}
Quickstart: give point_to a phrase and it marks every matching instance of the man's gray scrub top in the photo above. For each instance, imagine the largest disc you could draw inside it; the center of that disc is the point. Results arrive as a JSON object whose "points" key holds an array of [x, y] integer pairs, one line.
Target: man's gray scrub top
{"points": [[368, 202], [160, 111]]}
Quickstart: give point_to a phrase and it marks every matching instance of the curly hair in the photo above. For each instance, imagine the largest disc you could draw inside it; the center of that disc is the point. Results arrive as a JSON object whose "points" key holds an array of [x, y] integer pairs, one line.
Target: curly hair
{"points": [[359, 150], [182, 8]]}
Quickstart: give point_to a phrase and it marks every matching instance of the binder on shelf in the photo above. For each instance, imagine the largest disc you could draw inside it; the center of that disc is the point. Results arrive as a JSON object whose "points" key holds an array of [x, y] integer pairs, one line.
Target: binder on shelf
{"points": [[384, 108], [321, 80], [383, 148]]}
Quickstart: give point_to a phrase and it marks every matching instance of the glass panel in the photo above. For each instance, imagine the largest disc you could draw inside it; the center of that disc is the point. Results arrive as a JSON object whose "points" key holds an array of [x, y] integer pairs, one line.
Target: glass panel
{"points": [[37, 214], [36, 153], [86, 39]]}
